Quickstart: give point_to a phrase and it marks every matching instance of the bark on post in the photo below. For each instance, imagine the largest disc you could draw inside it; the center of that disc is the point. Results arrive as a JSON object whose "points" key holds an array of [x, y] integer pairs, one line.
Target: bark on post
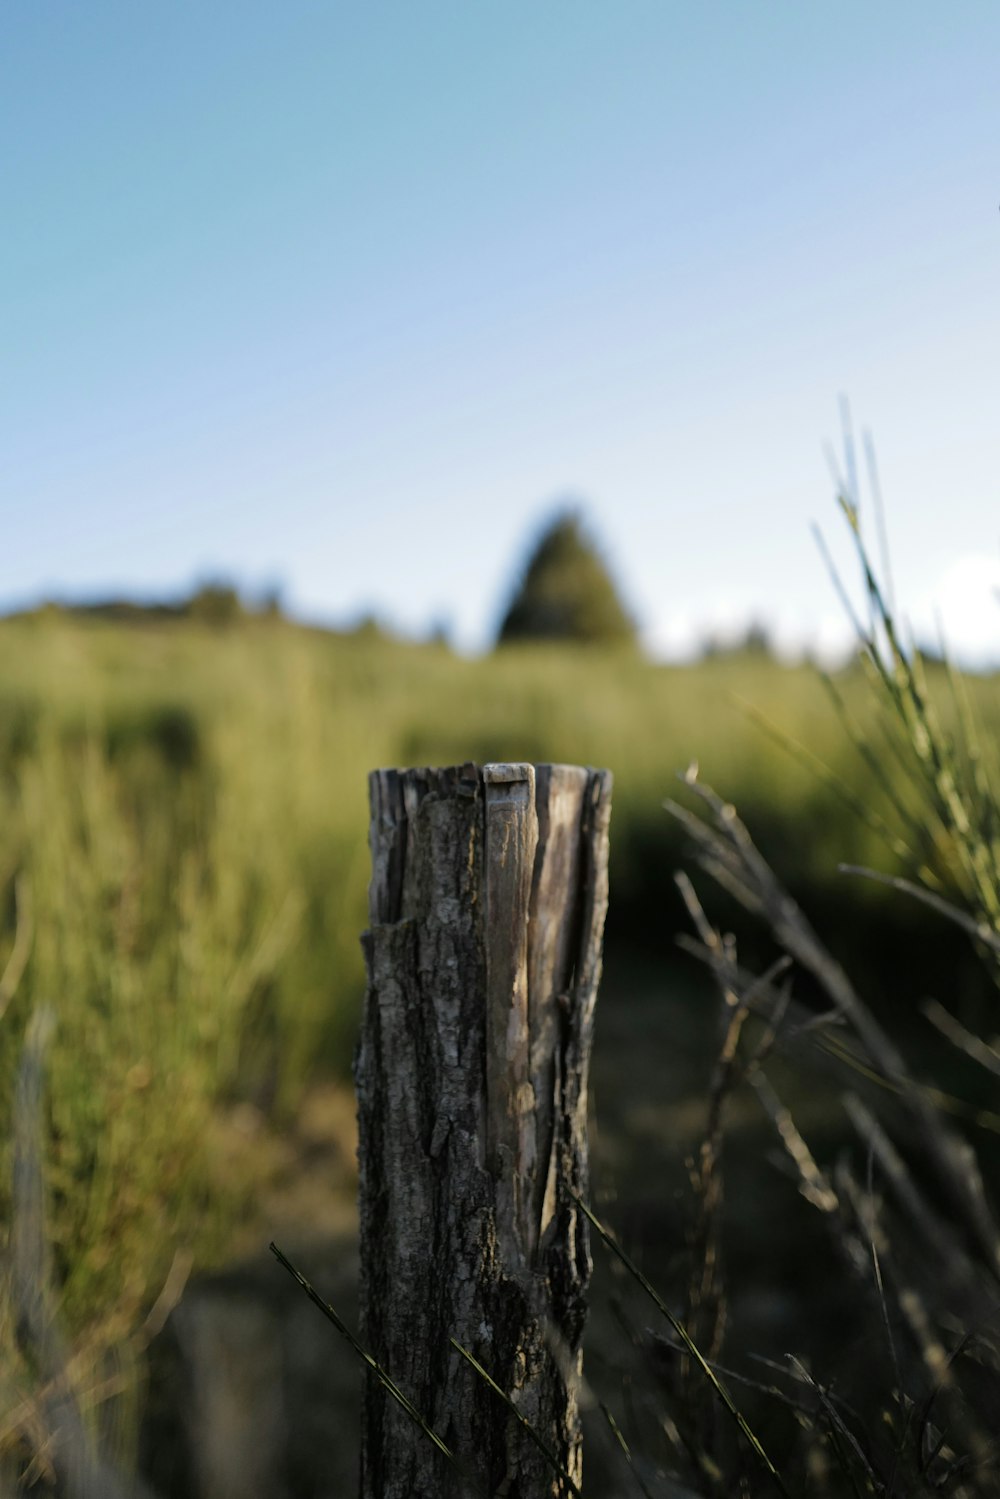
{"points": [[487, 904]]}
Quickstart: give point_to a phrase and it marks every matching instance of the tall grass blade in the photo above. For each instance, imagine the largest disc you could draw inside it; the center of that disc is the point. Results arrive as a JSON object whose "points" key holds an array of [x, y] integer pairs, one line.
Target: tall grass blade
{"points": [[542, 1446], [624, 1447], [839, 1430], [688, 1342], [977, 929], [384, 1379], [827, 777]]}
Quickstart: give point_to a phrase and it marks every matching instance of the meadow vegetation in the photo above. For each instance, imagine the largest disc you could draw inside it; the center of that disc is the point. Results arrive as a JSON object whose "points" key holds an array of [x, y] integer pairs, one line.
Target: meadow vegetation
{"points": [[901, 1396], [183, 878]]}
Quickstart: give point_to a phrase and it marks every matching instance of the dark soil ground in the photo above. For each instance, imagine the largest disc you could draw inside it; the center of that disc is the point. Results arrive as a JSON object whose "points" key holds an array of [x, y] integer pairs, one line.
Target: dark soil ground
{"points": [[254, 1393]]}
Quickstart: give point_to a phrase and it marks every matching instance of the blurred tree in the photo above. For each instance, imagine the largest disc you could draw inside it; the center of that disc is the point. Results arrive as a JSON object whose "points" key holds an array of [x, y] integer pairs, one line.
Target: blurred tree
{"points": [[754, 641], [368, 626], [440, 632], [216, 602], [271, 602], [566, 592]]}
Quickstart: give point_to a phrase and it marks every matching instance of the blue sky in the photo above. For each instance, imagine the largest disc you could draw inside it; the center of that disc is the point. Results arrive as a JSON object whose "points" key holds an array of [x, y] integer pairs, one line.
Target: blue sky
{"points": [[351, 296]]}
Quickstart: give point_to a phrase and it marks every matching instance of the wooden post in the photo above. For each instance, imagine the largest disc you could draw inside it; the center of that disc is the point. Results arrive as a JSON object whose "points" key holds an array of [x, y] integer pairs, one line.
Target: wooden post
{"points": [[487, 903]]}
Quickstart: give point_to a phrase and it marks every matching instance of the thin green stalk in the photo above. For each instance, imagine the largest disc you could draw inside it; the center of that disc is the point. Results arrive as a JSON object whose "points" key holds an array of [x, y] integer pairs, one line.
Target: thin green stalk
{"points": [[689, 1343], [384, 1379], [619, 1437], [548, 1455]]}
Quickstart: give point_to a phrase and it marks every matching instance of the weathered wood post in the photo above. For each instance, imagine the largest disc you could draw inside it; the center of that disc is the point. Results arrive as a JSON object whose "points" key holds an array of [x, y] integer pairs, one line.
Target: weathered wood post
{"points": [[487, 903]]}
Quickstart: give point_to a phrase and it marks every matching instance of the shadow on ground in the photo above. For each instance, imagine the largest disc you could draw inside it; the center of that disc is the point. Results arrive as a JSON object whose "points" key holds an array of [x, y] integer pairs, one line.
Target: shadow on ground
{"points": [[253, 1394]]}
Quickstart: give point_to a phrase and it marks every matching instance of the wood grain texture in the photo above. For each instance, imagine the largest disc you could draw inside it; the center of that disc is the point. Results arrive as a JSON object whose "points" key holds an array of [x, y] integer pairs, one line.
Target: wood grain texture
{"points": [[487, 904]]}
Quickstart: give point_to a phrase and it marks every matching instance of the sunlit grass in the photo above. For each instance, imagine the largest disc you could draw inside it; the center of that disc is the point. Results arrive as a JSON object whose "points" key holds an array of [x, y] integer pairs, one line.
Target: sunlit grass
{"points": [[184, 864]]}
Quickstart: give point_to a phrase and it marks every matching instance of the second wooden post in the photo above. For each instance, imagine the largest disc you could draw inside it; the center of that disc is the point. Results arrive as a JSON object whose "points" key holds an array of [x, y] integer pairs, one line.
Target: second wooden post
{"points": [[487, 904]]}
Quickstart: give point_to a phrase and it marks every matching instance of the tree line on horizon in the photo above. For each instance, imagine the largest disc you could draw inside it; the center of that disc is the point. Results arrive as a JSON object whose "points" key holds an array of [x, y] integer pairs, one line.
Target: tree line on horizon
{"points": [[565, 593]]}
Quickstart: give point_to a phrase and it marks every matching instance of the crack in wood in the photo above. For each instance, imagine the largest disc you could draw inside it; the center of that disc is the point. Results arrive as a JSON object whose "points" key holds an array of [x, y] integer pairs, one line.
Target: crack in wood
{"points": [[487, 905]]}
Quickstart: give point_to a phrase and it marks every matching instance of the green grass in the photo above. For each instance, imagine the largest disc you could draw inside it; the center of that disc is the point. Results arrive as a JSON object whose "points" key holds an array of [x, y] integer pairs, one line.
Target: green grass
{"points": [[184, 864]]}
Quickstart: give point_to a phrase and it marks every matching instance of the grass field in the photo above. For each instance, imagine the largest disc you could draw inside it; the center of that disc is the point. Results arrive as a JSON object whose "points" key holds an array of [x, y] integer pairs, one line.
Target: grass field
{"points": [[184, 864]]}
